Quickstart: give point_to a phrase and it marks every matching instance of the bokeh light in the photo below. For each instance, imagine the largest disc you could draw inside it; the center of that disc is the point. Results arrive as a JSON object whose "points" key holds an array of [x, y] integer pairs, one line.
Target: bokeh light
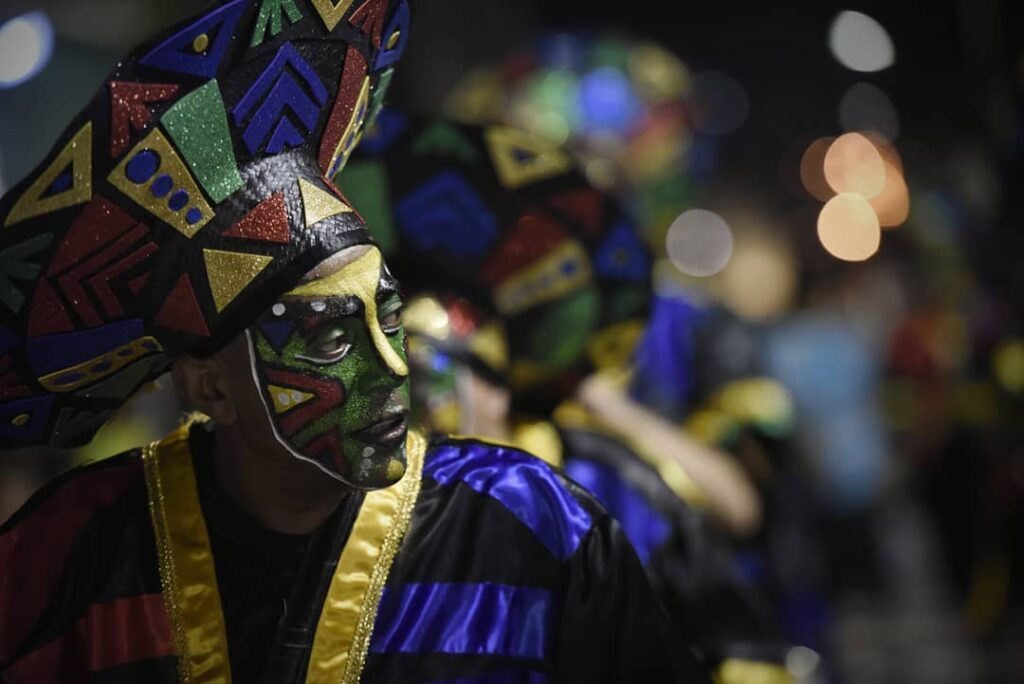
{"points": [[718, 102], [26, 43], [1008, 365], [854, 165], [658, 75], [892, 205], [624, 106], [866, 107], [607, 101], [860, 43], [699, 242], [760, 281], [812, 169], [848, 227], [801, 662]]}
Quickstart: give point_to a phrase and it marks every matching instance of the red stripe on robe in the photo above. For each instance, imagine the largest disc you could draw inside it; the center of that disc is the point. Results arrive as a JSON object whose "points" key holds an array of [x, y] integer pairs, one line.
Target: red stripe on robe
{"points": [[34, 551], [120, 632]]}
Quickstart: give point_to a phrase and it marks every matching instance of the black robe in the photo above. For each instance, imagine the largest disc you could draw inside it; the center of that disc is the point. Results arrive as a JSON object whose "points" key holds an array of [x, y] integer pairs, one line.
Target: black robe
{"points": [[480, 565]]}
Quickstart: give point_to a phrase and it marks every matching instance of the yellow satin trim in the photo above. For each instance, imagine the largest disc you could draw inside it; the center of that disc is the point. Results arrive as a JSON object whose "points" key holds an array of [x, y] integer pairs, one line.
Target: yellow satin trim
{"points": [[572, 414], [739, 671], [539, 439], [359, 278], [346, 622], [187, 574]]}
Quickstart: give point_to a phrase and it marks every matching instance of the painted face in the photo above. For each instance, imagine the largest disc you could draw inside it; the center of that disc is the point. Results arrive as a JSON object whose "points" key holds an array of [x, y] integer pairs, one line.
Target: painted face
{"points": [[329, 362]]}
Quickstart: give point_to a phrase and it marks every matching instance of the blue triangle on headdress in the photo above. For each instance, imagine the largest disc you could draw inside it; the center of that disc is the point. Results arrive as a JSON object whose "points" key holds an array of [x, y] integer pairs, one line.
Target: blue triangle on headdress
{"points": [[178, 53], [61, 183], [621, 255]]}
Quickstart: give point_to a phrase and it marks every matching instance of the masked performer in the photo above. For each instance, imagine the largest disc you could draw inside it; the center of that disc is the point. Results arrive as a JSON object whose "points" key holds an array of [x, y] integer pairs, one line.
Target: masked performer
{"points": [[185, 220], [518, 271]]}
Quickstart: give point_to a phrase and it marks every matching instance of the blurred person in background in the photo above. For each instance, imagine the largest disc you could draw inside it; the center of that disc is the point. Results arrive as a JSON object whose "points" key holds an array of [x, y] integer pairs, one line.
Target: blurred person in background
{"points": [[493, 349], [647, 128], [295, 529]]}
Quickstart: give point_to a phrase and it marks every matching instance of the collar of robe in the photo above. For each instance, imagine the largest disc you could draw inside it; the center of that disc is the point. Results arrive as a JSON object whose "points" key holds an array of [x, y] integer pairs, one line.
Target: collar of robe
{"points": [[189, 582]]}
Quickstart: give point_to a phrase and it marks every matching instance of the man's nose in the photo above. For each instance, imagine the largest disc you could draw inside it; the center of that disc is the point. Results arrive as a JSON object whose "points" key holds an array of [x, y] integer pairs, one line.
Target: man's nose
{"points": [[377, 378]]}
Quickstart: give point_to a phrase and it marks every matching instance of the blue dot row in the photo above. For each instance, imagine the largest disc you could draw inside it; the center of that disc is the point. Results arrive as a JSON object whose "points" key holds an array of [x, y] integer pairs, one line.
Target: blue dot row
{"points": [[144, 166]]}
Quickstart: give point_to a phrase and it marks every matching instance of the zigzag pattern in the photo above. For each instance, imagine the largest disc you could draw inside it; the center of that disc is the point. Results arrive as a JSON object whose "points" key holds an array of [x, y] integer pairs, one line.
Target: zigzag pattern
{"points": [[446, 212], [15, 266], [103, 247], [264, 109]]}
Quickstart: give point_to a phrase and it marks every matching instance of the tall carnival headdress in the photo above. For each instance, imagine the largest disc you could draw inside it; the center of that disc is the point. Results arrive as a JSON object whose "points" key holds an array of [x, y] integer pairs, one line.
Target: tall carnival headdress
{"points": [[497, 216], [189, 194]]}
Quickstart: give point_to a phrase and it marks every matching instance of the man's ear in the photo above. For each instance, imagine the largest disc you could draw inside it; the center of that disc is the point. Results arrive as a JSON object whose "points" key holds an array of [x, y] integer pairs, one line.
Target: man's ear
{"points": [[202, 384]]}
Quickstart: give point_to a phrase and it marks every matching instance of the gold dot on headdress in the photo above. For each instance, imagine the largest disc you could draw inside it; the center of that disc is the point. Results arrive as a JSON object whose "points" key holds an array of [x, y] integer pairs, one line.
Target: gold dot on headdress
{"points": [[393, 40], [20, 420], [201, 42]]}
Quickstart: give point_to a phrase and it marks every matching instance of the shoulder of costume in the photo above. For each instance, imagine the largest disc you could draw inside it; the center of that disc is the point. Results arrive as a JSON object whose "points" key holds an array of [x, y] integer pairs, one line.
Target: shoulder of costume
{"points": [[71, 498], [558, 511], [586, 447]]}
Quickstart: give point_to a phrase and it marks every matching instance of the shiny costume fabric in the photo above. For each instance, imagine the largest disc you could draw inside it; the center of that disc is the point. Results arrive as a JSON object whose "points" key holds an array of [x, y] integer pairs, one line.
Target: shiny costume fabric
{"points": [[507, 573], [686, 559], [185, 198]]}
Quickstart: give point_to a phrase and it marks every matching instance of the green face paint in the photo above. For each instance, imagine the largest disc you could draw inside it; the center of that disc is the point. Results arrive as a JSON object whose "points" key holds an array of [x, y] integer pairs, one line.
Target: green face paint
{"points": [[330, 364]]}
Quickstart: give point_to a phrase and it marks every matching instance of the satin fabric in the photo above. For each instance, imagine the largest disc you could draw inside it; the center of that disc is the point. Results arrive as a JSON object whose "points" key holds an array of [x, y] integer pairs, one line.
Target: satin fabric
{"points": [[191, 594], [191, 597], [690, 569], [526, 612], [479, 618], [510, 476], [347, 617], [646, 528]]}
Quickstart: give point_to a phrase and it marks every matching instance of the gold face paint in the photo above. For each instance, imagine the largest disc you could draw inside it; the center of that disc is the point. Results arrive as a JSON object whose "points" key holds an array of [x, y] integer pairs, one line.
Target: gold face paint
{"points": [[359, 279]]}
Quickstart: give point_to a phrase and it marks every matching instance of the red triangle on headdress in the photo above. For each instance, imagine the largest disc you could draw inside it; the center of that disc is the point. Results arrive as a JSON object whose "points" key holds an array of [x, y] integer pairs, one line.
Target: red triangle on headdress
{"points": [[181, 310], [267, 221], [99, 224], [534, 236], [128, 109], [586, 206], [47, 315], [369, 17]]}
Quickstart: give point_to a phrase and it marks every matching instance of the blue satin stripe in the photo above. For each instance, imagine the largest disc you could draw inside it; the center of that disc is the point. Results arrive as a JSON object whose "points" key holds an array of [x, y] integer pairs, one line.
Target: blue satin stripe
{"points": [[645, 528], [478, 619], [504, 677], [526, 486]]}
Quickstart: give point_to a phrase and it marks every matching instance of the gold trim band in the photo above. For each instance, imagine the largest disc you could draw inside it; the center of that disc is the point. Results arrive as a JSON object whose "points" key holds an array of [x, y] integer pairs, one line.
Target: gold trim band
{"points": [[343, 632], [187, 574]]}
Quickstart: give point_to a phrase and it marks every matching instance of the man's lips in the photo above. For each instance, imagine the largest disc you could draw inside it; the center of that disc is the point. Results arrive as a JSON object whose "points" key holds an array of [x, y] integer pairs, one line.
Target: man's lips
{"points": [[391, 428]]}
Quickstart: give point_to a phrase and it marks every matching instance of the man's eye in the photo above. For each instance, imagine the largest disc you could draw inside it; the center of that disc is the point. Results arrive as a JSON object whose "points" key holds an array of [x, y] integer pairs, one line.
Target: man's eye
{"points": [[328, 348], [391, 321]]}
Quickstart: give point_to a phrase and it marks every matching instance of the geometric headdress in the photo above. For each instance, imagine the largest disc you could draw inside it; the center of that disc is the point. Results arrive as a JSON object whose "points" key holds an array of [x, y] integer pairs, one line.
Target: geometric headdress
{"points": [[500, 218], [189, 194]]}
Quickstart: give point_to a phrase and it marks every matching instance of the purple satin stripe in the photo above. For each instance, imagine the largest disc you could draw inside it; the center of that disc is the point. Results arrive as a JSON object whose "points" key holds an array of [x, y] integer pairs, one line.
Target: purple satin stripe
{"points": [[477, 619], [527, 487], [505, 677], [644, 526]]}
